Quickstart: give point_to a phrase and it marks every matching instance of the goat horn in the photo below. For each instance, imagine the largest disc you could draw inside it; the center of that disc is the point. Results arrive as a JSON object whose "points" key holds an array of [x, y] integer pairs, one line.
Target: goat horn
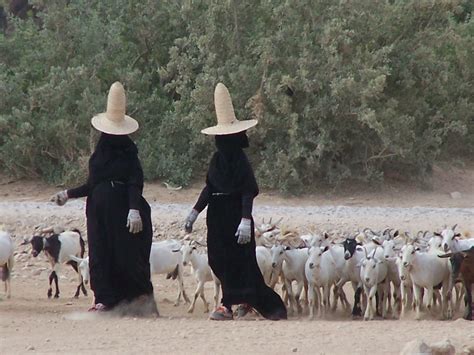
{"points": [[370, 230], [278, 222], [454, 227], [270, 222], [199, 243]]}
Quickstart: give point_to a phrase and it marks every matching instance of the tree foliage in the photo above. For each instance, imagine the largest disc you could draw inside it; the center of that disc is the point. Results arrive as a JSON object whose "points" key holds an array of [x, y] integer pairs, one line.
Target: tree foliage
{"points": [[343, 90]]}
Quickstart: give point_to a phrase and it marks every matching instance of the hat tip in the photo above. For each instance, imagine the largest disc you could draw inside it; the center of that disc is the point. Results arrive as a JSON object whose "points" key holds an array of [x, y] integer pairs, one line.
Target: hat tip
{"points": [[117, 84]]}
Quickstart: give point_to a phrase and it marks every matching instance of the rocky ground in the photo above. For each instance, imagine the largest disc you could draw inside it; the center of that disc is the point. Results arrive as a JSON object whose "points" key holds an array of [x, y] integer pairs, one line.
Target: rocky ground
{"points": [[30, 323]]}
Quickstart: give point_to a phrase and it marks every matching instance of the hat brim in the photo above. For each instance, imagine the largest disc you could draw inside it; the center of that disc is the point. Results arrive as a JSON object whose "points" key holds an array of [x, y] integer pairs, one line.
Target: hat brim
{"points": [[103, 124], [229, 128]]}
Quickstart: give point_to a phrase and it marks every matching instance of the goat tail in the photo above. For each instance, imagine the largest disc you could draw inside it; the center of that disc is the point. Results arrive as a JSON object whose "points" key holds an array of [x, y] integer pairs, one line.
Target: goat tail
{"points": [[11, 262], [81, 241], [173, 275], [7, 269]]}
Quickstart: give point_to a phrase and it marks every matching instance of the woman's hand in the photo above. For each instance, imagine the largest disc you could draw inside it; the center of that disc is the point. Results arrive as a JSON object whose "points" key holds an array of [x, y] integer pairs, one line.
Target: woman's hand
{"points": [[134, 221], [192, 216], [244, 231], [60, 198]]}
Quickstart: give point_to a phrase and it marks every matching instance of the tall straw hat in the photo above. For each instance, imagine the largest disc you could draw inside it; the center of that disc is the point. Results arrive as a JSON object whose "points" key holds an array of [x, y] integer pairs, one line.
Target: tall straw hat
{"points": [[226, 121], [114, 120]]}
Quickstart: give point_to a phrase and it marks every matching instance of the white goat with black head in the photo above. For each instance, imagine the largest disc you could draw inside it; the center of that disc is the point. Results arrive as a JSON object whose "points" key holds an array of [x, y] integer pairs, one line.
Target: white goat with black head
{"points": [[58, 248], [6, 260], [354, 254]]}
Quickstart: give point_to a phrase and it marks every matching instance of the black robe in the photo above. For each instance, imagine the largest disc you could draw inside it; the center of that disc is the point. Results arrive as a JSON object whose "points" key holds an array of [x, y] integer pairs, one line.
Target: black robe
{"points": [[119, 260], [229, 193]]}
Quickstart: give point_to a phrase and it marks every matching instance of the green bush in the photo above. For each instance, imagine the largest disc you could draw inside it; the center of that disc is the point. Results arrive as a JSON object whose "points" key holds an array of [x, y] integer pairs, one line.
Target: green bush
{"points": [[343, 90]]}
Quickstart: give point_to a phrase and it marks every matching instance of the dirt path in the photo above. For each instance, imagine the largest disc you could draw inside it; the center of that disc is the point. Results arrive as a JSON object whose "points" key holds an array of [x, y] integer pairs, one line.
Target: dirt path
{"points": [[30, 323]]}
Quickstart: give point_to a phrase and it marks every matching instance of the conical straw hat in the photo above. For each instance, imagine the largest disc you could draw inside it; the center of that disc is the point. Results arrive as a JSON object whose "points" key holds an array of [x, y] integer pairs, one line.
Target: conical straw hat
{"points": [[115, 121], [227, 123]]}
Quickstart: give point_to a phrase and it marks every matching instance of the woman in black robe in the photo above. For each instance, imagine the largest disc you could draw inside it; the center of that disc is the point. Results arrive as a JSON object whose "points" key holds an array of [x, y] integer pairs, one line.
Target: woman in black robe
{"points": [[228, 194], [119, 226]]}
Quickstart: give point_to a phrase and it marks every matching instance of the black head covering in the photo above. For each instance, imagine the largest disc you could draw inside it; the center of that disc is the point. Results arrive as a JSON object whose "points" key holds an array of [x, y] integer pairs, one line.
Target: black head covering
{"points": [[115, 158], [230, 170]]}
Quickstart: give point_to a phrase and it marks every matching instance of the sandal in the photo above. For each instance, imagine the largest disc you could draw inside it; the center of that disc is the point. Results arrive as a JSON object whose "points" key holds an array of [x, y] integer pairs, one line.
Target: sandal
{"points": [[243, 310], [222, 313]]}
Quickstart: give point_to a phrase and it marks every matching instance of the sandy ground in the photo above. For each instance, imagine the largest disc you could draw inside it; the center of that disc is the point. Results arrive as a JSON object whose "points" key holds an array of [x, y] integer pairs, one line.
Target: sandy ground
{"points": [[30, 323]]}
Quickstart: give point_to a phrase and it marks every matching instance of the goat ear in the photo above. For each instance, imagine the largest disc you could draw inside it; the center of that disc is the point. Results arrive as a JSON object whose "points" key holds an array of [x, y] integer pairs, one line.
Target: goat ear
{"points": [[437, 234], [287, 248], [359, 247], [325, 249], [177, 250], [457, 235], [396, 234], [326, 236]]}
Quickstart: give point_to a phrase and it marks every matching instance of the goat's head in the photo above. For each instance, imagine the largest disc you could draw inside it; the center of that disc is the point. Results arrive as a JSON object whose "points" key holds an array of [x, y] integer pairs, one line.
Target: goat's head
{"points": [[188, 250], [448, 235], [278, 255], [350, 246], [37, 244], [408, 253], [315, 255]]}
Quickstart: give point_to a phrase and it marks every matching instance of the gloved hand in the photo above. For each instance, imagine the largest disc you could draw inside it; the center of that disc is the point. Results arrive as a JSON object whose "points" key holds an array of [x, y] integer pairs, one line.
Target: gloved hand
{"points": [[192, 216], [134, 221], [60, 198], [244, 231]]}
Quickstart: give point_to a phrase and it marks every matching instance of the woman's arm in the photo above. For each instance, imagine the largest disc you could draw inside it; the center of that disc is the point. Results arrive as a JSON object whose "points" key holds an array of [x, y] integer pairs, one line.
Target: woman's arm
{"points": [[247, 205], [135, 186], [203, 200], [80, 191]]}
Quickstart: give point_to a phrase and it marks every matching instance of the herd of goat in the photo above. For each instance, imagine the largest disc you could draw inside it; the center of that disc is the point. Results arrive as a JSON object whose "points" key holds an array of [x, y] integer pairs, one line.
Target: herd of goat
{"points": [[391, 272]]}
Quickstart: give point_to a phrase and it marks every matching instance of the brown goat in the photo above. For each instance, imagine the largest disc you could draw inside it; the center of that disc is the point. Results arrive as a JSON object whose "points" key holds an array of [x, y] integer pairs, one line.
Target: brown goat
{"points": [[463, 269]]}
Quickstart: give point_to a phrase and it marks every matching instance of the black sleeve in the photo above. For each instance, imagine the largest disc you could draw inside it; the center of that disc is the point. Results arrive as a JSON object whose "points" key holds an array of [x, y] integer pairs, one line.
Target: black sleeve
{"points": [[135, 187], [80, 191], [247, 205], [203, 199]]}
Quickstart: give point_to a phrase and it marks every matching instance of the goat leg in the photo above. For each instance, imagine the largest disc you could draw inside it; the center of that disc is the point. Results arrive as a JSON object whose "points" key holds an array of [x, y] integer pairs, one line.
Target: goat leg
{"points": [[50, 289], [357, 310], [56, 295], [468, 301]]}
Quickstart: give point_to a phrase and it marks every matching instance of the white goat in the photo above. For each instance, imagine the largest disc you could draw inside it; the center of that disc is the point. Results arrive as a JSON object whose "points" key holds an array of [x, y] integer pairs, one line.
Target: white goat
{"points": [[166, 258], [427, 271], [391, 248], [264, 261], [6, 260], [452, 241], [202, 273], [320, 271], [292, 263], [406, 285], [373, 273]]}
